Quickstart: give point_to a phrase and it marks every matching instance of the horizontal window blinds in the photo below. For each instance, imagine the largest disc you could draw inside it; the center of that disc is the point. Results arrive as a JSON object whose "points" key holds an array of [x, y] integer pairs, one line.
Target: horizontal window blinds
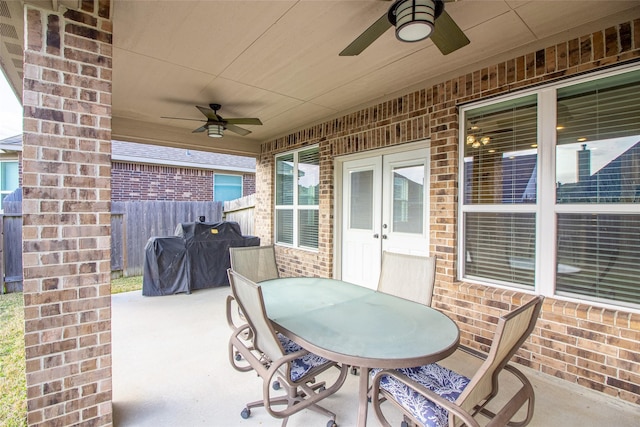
{"points": [[297, 198], [284, 180], [308, 228], [598, 151], [599, 256], [284, 226], [500, 153], [500, 247], [308, 177]]}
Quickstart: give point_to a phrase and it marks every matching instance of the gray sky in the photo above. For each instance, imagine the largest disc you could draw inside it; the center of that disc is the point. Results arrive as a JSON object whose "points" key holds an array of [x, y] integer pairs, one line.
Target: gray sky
{"points": [[10, 111]]}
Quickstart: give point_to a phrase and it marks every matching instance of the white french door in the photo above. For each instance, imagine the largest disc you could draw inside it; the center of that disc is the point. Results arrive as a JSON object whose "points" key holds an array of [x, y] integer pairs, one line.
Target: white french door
{"points": [[384, 208]]}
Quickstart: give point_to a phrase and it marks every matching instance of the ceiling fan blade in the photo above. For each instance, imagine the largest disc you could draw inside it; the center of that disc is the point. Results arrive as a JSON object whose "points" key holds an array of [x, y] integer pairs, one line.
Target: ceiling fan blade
{"points": [[200, 129], [447, 36], [370, 35], [237, 129], [182, 118], [208, 112], [244, 121]]}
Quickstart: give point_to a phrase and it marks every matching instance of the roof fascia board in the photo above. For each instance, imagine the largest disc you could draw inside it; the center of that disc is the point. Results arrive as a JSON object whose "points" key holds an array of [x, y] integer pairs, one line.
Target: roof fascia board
{"points": [[134, 159]]}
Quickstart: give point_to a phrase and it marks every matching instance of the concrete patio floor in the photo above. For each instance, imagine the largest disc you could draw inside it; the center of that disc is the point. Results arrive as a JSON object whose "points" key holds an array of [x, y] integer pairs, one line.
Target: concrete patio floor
{"points": [[170, 368]]}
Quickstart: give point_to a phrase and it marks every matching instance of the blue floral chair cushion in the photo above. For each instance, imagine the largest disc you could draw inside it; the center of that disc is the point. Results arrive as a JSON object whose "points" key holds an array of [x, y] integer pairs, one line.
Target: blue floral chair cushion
{"points": [[436, 378], [302, 365]]}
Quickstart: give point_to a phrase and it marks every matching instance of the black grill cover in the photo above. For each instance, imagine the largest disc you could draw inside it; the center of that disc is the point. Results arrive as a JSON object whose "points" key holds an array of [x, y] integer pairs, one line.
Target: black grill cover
{"points": [[196, 258], [166, 267]]}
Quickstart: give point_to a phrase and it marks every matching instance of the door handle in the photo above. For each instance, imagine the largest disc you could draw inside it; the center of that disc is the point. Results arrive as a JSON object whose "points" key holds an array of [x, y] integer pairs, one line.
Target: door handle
{"points": [[384, 236], [375, 236]]}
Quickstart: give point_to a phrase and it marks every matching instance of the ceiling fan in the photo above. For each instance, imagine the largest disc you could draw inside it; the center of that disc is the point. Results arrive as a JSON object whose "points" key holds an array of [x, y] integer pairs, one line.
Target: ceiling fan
{"points": [[215, 124], [414, 20]]}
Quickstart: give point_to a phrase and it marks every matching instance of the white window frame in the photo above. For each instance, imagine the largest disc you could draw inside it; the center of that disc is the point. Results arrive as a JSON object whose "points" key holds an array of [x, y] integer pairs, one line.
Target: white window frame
{"points": [[545, 208], [295, 207]]}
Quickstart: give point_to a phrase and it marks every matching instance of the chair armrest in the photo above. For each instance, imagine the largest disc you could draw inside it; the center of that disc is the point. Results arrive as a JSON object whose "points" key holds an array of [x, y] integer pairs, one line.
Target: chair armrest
{"points": [[238, 345], [524, 394], [229, 312], [279, 370], [435, 398]]}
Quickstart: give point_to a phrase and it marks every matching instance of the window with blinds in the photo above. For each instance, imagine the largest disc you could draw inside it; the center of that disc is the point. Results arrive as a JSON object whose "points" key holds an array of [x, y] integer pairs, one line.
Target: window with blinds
{"points": [[297, 198], [585, 208], [500, 153], [598, 256], [598, 188], [500, 159], [598, 148], [500, 247]]}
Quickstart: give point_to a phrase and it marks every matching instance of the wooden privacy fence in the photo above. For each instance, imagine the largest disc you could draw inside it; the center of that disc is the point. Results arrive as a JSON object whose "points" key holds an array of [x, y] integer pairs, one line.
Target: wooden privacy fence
{"points": [[241, 211], [132, 224], [11, 228]]}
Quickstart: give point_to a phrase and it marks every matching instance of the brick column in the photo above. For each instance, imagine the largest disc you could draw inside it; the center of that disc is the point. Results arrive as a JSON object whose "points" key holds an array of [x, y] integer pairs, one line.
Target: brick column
{"points": [[66, 214]]}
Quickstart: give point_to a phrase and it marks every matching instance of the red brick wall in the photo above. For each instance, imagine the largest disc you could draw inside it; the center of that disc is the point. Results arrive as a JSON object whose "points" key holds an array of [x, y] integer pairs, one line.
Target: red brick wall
{"points": [[248, 184], [66, 215], [591, 346], [135, 181]]}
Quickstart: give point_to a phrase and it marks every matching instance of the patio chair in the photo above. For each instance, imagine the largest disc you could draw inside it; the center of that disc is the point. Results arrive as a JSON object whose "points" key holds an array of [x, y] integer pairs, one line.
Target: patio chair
{"points": [[257, 263], [406, 276], [411, 277], [435, 396], [293, 367]]}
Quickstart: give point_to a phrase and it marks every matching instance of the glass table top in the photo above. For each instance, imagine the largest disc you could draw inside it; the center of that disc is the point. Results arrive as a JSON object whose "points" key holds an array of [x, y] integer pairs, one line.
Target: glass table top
{"points": [[350, 323]]}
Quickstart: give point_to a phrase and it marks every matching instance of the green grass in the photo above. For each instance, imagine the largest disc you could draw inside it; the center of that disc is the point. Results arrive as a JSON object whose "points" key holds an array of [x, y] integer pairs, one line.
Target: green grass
{"points": [[126, 284], [13, 387]]}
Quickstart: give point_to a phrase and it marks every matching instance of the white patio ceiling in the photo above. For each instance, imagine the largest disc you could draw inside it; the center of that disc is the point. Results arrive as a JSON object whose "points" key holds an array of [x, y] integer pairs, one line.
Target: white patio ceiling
{"points": [[278, 60]]}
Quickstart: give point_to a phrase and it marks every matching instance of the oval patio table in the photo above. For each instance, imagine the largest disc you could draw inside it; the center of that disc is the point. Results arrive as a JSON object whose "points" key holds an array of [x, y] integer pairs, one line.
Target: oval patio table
{"points": [[358, 326]]}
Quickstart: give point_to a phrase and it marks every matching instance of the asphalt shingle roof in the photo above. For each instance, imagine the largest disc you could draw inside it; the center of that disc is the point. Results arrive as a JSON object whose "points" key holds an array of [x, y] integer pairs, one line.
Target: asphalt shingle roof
{"points": [[144, 153], [120, 149]]}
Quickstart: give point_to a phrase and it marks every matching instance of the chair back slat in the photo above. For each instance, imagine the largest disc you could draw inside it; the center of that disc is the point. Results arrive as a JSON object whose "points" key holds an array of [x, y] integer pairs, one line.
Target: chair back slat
{"points": [[406, 276], [511, 332], [256, 263], [249, 298]]}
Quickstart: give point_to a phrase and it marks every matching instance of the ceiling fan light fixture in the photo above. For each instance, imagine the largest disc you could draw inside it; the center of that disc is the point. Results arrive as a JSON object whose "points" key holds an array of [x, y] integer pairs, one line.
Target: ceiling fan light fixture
{"points": [[215, 131], [414, 19]]}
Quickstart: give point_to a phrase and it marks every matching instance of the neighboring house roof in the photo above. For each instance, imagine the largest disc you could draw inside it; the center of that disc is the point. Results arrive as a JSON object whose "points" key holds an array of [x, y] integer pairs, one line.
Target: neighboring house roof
{"points": [[143, 153], [12, 143], [153, 154]]}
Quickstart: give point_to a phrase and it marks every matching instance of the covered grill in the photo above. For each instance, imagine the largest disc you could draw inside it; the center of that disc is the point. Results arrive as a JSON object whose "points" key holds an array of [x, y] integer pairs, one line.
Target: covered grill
{"points": [[196, 257]]}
